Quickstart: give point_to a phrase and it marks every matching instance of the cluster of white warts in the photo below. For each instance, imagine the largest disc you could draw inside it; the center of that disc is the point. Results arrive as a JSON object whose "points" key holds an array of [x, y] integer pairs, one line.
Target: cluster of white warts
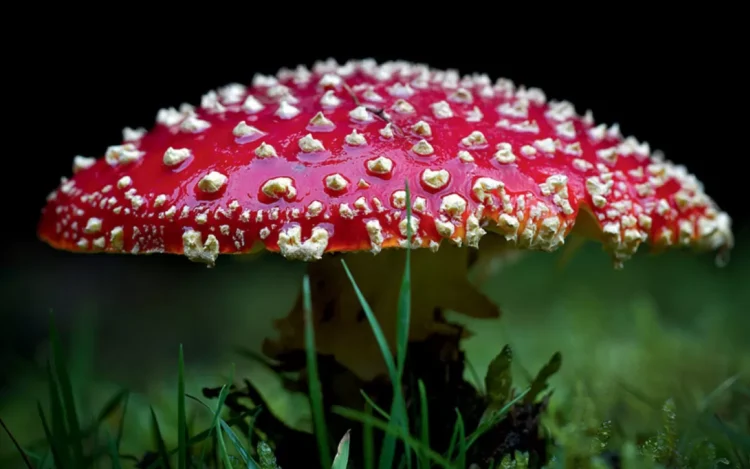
{"points": [[626, 224]]}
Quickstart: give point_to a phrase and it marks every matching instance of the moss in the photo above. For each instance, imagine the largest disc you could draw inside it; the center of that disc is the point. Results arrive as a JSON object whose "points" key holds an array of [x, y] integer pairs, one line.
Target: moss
{"points": [[266, 457]]}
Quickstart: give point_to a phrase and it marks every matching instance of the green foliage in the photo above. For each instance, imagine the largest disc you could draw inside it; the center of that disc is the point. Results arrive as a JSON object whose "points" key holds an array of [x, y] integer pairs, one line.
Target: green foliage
{"points": [[577, 436], [582, 442]]}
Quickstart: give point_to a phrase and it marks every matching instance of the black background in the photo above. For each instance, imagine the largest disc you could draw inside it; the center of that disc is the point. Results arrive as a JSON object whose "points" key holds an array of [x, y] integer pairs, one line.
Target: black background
{"points": [[677, 84]]}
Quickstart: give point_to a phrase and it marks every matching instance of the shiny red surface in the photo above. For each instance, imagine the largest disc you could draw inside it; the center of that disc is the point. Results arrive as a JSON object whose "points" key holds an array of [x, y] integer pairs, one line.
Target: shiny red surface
{"points": [[146, 229]]}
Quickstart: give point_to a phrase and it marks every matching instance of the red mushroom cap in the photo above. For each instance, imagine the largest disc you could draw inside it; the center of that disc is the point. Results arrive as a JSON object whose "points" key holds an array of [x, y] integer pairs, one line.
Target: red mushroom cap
{"points": [[314, 161]]}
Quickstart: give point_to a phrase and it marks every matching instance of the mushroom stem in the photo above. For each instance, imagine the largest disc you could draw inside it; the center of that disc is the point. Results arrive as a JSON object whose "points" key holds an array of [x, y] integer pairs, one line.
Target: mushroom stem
{"points": [[439, 282]]}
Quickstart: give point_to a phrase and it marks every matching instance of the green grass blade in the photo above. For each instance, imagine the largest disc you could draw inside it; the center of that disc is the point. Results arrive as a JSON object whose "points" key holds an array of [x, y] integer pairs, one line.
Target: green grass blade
{"points": [[223, 454], [424, 424], [738, 439], [68, 399], [58, 453], [246, 459], [244, 454], [107, 410], [453, 443], [217, 413], [342, 455], [220, 404], [375, 407], [16, 444], [403, 322], [718, 391], [398, 407], [461, 439], [367, 439], [374, 325], [404, 297], [704, 408], [214, 424], [80, 364], [250, 425], [395, 369], [161, 447], [200, 436], [388, 450], [114, 453], [121, 426], [396, 431], [316, 394], [59, 434], [110, 406]]}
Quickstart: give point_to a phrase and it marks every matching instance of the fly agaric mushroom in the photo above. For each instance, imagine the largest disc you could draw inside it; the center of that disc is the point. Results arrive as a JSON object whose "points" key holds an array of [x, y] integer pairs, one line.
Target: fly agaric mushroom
{"points": [[313, 162]]}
